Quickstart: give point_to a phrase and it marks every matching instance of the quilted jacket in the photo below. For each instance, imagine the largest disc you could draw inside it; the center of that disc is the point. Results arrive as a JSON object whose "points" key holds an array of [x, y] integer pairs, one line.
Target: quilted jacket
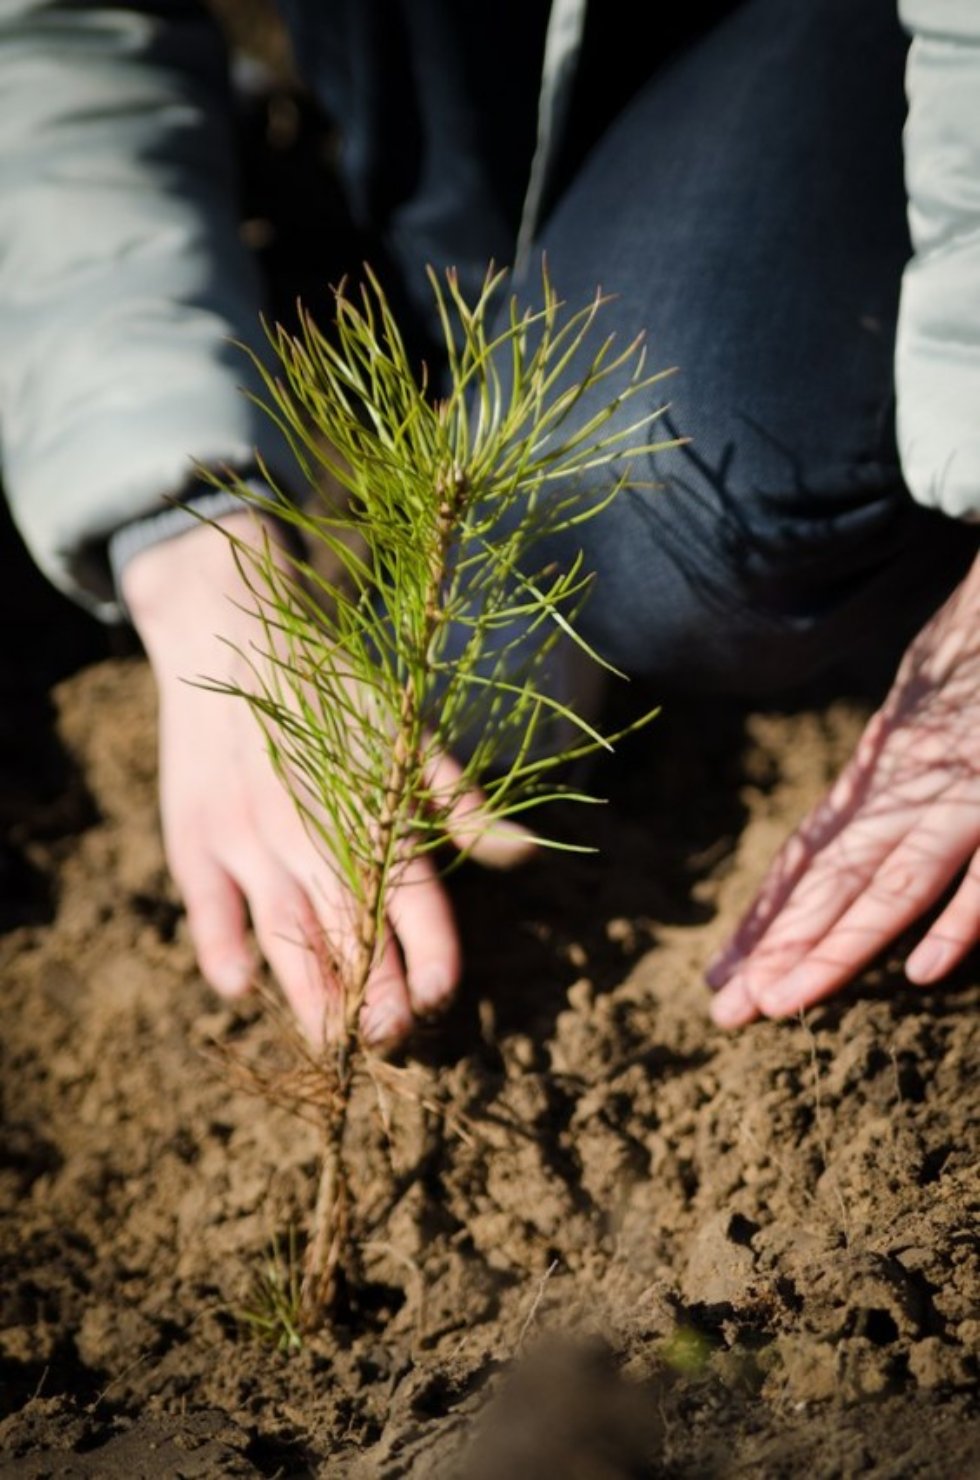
{"points": [[123, 280]]}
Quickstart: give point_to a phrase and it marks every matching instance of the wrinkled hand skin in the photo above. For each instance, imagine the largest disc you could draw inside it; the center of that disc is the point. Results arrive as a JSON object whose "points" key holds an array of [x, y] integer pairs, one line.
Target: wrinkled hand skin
{"points": [[234, 841], [882, 847]]}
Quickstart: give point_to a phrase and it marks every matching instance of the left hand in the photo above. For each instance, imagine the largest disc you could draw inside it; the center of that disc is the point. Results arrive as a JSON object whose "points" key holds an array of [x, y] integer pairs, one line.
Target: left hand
{"points": [[881, 847], [233, 837]]}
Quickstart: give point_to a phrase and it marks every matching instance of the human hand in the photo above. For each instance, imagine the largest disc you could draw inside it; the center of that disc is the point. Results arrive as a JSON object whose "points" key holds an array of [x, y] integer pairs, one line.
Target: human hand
{"points": [[881, 847], [233, 838]]}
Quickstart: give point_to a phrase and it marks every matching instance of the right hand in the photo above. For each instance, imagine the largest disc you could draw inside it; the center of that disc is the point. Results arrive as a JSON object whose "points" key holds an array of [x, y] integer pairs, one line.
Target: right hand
{"points": [[880, 849], [233, 838]]}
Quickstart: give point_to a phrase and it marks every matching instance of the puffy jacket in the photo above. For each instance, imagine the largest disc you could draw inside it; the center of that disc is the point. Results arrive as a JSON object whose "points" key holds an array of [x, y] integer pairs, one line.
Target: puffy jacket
{"points": [[122, 277], [937, 357], [123, 281]]}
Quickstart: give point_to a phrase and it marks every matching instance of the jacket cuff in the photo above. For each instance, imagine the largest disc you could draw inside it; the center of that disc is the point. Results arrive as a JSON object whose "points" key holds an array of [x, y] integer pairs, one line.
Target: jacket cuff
{"points": [[194, 507]]}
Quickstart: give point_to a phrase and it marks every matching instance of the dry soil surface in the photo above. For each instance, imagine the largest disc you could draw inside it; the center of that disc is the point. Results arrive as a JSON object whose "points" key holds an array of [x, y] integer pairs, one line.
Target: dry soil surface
{"points": [[616, 1243]]}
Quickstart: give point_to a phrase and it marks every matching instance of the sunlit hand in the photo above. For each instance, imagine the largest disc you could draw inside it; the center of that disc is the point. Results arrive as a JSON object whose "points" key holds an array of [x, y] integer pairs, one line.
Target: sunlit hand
{"points": [[881, 848], [234, 841]]}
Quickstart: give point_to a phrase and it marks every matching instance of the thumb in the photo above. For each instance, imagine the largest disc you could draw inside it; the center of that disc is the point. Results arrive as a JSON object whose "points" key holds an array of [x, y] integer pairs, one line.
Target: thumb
{"points": [[493, 841]]}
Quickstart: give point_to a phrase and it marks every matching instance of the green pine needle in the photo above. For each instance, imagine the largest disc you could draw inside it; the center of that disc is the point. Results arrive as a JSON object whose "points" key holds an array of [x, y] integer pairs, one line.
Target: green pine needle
{"points": [[446, 502]]}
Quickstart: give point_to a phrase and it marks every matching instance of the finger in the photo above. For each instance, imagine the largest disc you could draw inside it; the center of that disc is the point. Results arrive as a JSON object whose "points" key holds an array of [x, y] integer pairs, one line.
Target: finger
{"points": [[795, 913], [816, 832], [493, 841], [304, 918], [217, 922], [791, 864], [294, 943], [332, 939], [734, 1006], [827, 867], [387, 1015], [952, 936], [781, 878], [312, 952], [908, 881], [422, 919], [835, 880]]}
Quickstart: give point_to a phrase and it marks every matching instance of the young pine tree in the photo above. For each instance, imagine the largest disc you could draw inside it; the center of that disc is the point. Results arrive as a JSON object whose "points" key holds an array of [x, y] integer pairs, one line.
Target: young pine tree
{"points": [[440, 636]]}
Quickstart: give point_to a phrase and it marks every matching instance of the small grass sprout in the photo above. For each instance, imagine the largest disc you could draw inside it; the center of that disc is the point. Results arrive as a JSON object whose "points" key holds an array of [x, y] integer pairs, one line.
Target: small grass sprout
{"points": [[273, 1309]]}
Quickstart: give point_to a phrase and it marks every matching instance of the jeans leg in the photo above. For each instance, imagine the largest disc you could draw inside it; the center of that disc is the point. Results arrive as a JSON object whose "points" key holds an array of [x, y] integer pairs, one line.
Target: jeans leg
{"points": [[436, 107], [747, 209]]}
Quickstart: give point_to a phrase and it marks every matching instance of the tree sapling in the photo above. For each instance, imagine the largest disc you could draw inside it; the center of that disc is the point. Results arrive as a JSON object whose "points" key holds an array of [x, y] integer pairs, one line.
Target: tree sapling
{"points": [[421, 676]]}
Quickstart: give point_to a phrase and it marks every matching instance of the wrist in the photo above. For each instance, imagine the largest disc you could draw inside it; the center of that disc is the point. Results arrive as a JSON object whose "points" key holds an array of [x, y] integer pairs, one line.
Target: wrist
{"points": [[184, 588], [179, 517]]}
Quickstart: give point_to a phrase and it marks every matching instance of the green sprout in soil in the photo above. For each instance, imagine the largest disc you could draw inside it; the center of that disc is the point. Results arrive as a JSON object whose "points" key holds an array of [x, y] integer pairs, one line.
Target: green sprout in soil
{"points": [[687, 1351], [437, 637], [273, 1310]]}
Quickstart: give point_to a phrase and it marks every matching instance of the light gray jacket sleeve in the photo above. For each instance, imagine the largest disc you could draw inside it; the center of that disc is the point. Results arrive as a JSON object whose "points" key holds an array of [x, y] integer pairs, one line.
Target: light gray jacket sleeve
{"points": [[938, 349], [122, 276]]}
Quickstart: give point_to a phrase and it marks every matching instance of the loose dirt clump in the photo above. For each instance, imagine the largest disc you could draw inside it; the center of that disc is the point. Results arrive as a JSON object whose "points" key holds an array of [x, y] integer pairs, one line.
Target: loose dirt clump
{"points": [[620, 1243]]}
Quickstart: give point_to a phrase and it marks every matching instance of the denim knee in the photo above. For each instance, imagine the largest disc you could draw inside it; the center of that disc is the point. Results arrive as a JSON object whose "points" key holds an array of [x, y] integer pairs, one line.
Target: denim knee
{"points": [[718, 588]]}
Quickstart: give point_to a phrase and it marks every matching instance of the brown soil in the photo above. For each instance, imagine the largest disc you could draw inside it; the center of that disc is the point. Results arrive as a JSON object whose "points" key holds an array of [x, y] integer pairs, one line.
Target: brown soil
{"points": [[655, 1250], [625, 1246]]}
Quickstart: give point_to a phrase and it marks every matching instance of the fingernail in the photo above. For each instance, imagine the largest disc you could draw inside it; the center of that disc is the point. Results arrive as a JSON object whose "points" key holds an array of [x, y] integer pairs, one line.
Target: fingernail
{"points": [[733, 1008], [796, 990], [925, 962], [430, 985], [232, 978]]}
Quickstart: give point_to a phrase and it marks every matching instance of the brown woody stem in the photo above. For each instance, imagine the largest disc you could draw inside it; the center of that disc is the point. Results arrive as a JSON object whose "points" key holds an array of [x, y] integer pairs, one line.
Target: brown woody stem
{"points": [[331, 1214]]}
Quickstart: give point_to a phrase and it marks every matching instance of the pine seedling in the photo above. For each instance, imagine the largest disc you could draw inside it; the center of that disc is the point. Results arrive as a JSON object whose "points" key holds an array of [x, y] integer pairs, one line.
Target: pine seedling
{"points": [[439, 635]]}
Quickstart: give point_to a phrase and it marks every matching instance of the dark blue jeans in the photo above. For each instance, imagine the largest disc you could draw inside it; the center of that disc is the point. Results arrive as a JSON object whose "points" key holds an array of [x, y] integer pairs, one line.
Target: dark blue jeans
{"points": [[740, 191]]}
